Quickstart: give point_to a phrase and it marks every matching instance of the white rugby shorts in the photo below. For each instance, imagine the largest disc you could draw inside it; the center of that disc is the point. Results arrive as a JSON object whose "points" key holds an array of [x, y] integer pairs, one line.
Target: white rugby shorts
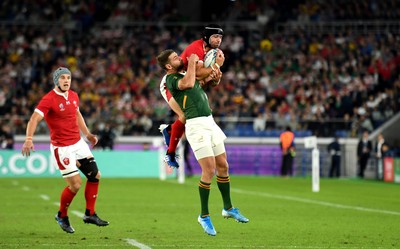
{"points": [[205, 137], [64, 158]]}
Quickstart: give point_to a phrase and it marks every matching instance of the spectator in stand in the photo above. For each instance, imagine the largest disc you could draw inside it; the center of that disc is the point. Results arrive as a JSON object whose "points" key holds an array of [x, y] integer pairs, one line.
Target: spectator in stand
{"points": [[260, 122], [344, 62]]}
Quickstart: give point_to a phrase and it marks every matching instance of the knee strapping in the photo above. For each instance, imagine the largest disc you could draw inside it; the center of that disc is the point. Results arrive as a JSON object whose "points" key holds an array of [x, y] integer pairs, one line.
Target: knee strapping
{"points": [[89, 169]]}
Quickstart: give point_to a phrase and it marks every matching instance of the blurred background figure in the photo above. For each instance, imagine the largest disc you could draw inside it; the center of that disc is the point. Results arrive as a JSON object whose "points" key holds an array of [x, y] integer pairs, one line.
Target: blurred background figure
{"points": [[260, 122], [334, 151], [288, 151], [106, 136], [364, 149], [381, 150], [6, 138]]}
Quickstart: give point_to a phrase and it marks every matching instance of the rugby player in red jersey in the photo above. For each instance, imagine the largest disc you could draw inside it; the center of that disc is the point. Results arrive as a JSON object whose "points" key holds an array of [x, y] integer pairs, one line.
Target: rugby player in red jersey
{"points": [[212, 38], [70, 153]]}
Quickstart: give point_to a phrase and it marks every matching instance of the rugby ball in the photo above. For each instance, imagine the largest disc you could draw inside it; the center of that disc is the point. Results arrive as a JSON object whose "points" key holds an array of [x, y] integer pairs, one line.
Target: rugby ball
{"points": [[210, 57]]}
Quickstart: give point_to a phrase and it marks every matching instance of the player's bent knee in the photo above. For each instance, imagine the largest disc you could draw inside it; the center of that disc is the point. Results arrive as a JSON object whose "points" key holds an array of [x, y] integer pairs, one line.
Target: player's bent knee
{"points": [[89, 169], [223, 168], [75, 186]]}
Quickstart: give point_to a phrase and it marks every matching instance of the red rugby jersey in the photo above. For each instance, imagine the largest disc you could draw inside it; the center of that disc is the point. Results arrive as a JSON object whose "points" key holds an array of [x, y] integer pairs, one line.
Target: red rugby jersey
{"points": [[59, 113], [196, 47]]}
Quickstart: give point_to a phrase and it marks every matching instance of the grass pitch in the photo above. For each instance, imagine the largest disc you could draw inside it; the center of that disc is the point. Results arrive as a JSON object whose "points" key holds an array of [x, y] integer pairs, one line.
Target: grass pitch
{"points": [[148, 213]]}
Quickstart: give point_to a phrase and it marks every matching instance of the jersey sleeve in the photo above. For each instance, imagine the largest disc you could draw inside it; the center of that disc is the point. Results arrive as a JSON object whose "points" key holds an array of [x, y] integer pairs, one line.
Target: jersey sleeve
{"points": [[192, 50], [172, 83], [44, 106]]}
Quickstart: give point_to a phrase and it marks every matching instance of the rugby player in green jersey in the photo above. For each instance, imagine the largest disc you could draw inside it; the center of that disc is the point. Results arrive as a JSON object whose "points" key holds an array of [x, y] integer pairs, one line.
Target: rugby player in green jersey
{"points": [[205, 137]]}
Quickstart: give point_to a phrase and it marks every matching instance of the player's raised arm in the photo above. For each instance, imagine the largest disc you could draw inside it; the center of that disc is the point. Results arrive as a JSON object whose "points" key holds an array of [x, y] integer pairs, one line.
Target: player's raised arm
{"points": [[190, 77]]}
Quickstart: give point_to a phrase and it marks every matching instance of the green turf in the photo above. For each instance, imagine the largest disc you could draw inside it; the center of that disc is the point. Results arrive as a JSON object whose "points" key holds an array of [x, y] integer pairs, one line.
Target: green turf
{"points": [[283, 213]]}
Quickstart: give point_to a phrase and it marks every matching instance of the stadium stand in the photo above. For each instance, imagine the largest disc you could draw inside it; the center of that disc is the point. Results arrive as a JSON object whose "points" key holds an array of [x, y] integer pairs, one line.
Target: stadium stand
{"points": [[280, 70]]}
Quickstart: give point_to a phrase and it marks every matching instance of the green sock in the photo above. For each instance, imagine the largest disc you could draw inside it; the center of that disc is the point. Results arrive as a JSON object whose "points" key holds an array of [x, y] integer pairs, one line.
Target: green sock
{"points": [[204, 190], [223, 183]]}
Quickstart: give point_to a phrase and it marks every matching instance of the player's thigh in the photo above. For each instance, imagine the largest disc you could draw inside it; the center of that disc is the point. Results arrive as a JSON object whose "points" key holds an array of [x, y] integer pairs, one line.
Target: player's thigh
{"points": [[82, 150], [199, 137], [64, 159], [217, 137]]}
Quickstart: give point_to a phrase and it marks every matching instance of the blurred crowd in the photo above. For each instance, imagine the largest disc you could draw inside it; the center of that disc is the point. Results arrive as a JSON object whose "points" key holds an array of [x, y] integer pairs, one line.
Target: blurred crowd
{"points": [[323, 82]]}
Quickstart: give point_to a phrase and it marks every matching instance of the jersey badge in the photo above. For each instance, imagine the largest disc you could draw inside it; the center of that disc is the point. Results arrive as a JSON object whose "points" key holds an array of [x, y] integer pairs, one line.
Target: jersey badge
{"points": [[66, 161], [61, 106]]}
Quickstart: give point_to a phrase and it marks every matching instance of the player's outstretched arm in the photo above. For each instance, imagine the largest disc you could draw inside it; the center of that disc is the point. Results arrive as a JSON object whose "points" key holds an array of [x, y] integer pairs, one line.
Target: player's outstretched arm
{"points": [[28, 146]]}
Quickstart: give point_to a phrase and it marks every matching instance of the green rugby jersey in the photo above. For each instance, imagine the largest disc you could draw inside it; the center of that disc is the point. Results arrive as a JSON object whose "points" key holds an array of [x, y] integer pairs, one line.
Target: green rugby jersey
{"points": [[193, 102]]}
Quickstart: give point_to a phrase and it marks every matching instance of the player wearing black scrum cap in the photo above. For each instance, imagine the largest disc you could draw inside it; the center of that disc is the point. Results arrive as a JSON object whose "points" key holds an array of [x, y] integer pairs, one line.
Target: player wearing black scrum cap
{"points": [[212, 30], [211, 39]]}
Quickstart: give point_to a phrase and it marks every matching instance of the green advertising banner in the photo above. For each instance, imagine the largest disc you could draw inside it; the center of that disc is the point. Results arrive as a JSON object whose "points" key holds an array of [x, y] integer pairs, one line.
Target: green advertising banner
{"points": [[397, 170], [110, 163]]}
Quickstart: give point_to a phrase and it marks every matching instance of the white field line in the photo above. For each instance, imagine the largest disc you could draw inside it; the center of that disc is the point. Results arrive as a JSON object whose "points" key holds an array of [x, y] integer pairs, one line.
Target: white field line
{"points": [[26, 188], [322, 203], [77, 213], [131, 242], [45, 197], [139, 245]]}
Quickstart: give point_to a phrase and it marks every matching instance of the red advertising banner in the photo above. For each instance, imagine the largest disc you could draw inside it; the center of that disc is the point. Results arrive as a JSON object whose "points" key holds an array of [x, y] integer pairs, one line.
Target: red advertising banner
{"points": [[388, 169]]}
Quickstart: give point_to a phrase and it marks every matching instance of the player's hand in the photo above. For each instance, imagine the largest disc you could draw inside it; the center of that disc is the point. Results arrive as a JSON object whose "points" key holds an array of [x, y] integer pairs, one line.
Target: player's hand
{"points": [[214, 78], [216, 75], [92, 139], [27, 147], [220, 58], [194, 58]]}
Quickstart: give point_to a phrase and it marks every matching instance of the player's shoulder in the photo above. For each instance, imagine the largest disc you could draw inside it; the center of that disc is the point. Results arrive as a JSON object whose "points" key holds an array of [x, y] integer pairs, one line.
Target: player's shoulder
{"points": [[173, 77], [73, 93], [49, 95], [197, 44]]}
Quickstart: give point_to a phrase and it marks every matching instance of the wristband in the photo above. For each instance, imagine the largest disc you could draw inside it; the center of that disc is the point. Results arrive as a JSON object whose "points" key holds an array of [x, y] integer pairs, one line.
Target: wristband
{"points": [[217, 65], [28, 138], [212, 67]]}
